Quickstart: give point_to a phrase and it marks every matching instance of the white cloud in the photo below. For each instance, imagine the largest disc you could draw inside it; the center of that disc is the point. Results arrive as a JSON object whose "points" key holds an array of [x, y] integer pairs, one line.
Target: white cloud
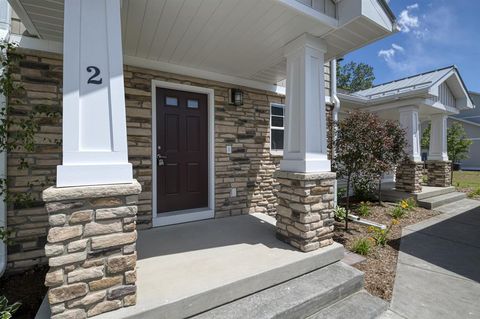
{"points": [[391, 58], [408, 21], [398, 47], [412, 6]]}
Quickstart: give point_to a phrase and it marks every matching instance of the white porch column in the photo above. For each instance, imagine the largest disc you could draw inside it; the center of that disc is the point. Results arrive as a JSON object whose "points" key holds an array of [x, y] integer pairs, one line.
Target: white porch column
{"points": [[438, 138], [409, 121], [305, 148], [94, 121]]}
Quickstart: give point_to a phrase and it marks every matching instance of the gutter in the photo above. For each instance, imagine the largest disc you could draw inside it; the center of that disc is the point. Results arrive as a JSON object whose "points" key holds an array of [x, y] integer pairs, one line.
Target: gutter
{"points": [[5, 20]]}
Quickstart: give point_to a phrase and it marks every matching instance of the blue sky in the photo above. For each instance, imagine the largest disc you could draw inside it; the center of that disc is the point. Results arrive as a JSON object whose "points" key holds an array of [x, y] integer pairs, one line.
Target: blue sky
{"points": [[434, 34]]}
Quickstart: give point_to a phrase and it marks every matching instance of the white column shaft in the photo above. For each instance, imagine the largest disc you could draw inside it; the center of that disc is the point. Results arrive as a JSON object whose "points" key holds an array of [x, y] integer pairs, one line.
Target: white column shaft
{"points": [[94, 120], [438, 138], [409, 121], [305, 147]]}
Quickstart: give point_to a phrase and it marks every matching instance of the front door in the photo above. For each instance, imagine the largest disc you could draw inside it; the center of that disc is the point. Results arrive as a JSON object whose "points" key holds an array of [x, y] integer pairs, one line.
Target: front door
{"points": [[182, 150]]}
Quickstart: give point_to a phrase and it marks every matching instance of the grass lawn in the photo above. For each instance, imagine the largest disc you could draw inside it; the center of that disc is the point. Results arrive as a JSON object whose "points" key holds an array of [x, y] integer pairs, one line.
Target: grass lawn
{"points": [[467, 182], [464, 179]]}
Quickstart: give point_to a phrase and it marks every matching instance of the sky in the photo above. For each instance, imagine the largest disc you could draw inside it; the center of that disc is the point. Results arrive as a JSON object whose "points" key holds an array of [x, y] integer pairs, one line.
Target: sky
{"points": [[433, 34]]}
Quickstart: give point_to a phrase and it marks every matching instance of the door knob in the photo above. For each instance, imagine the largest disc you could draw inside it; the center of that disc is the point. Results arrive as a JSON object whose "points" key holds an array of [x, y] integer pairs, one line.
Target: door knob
{"points": [[160, 160]]}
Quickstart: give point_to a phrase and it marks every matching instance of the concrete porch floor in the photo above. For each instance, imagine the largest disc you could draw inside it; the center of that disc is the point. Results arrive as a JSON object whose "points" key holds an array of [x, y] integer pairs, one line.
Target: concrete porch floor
{"points": [[186, 269], [390, 193]]}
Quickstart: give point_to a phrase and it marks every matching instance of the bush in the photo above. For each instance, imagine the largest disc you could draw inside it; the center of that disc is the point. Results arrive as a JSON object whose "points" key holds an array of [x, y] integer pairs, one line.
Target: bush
{"points": [[398, 212], [364, 209], [363, 187], [341, 193], [340, 213], [6, 310], [362, 246]]}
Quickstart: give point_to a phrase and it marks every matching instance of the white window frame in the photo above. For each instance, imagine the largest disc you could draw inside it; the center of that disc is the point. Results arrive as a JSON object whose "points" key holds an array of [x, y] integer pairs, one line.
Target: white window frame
{"points": [[276, 151]]}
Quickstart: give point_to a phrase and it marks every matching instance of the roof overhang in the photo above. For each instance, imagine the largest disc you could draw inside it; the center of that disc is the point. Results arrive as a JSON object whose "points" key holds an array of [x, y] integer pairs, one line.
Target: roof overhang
{"points": [[241, 38], [457, 87]]}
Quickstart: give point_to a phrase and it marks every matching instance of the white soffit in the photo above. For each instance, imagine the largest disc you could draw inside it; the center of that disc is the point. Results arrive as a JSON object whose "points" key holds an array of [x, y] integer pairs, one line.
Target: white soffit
{"points": [[241, 38]]}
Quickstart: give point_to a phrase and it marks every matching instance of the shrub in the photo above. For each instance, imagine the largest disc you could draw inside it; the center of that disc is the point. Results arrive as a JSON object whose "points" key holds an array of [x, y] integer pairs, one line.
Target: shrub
{"points": [[398, 212], [364, 209], [340, 213], [362, 246], [411, 202], [341, 193], [474, 193], [363, 187], [6, 310]]}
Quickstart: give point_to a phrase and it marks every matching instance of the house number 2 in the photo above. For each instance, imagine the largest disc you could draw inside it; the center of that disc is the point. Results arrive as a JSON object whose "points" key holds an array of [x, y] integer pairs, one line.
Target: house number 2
{"points": [[94, 79]]}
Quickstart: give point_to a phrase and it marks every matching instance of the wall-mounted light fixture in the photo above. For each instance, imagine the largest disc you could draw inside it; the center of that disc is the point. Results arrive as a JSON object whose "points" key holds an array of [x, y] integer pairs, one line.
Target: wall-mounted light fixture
{"points": [[235, 97]]}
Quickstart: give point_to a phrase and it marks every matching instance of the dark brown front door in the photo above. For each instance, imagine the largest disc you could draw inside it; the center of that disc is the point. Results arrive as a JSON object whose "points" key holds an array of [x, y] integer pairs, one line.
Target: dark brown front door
{"points": [[182, 150]]}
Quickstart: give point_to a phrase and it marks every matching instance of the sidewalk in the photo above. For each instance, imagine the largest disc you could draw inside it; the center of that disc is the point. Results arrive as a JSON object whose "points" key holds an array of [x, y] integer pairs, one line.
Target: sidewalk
{"points": [[438, 271]]}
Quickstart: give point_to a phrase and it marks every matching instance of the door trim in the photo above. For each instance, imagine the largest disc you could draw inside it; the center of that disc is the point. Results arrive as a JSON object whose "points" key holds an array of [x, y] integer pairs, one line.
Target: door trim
{"points": [[188, 215]]}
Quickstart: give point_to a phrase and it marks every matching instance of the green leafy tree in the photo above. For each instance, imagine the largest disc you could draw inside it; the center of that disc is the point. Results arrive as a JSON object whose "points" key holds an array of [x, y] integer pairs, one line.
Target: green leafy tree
{"points": [[355, 76], [458, 144], [355, 134]]}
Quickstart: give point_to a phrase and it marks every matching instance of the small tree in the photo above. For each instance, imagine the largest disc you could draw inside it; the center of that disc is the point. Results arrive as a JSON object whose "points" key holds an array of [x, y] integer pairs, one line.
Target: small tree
{"points": [[355, 76], [355, 134], [425, 142], [458, 144]]}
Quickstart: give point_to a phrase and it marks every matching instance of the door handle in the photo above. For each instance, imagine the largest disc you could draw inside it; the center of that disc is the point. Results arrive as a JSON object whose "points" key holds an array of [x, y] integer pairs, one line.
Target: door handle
{"points": [[160, 160]]}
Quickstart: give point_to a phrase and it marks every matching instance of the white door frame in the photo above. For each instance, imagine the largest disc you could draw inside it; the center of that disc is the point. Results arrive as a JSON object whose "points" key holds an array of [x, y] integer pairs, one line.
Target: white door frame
{"points": [[188, 215]]}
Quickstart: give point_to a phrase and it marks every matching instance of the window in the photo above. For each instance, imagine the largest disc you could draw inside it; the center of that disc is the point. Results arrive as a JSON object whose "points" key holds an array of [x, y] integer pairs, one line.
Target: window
{"points": [[277, 117], [171, 101]]}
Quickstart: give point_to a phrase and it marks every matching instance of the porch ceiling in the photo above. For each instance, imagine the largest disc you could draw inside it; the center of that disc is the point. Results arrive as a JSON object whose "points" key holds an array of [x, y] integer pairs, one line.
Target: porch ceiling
{"points": [[242, 38]]}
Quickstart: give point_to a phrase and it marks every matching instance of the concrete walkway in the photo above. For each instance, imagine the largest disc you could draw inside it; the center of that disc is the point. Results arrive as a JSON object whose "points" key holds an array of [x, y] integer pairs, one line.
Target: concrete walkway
{"points": [[438, 271]]}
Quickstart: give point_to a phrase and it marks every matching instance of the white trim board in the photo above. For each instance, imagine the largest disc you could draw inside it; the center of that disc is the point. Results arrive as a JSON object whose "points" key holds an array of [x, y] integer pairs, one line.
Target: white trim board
{"points": [[185, 215]]}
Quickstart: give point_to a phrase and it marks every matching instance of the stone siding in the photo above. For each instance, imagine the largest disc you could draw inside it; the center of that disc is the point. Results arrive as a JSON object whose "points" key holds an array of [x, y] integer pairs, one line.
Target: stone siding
{"points": [[439, 173], [409, 177], [91, 249], [305, 209], [249, 168]]}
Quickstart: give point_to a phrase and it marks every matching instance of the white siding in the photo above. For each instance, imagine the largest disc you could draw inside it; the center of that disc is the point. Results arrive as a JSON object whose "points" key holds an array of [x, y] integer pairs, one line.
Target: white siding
{"points": [[445, 95]]}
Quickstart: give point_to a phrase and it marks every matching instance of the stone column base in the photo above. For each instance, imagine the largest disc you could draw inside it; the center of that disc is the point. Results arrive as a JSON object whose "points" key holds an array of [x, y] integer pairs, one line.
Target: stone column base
{"points": [[408, 177], [439, 173], [305, 209], [91, 249]]}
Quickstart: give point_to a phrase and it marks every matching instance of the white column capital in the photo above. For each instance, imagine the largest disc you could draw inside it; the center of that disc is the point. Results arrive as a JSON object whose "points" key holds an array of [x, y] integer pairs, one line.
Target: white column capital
{"points": [[304, 41], [409, 121], [305, 147], [94, 119], [438, 138]]}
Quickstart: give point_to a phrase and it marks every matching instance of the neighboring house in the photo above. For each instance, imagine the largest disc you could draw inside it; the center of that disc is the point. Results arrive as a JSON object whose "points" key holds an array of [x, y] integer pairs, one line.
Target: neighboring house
{"points": [[415, 101], [171, 114], [470, 120]]}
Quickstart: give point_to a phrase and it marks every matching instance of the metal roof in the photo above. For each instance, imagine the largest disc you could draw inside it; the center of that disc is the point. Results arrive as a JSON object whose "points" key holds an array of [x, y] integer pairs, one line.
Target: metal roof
{"points": [[412, 83]]}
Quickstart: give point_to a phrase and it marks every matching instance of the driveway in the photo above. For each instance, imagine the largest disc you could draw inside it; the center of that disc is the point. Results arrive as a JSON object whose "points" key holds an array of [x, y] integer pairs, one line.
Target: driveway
{"points": [[438, 271]]}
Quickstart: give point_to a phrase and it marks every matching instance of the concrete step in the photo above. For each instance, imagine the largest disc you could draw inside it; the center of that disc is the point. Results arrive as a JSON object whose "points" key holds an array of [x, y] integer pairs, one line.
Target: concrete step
{"points": [[437, 201], [429, 192], [360, 305], [297, 298]]}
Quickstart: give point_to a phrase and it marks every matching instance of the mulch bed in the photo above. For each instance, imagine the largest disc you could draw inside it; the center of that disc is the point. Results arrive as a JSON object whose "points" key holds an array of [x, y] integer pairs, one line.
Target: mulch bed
{"points": [[381, 263], [26, 288], [470, 191]]}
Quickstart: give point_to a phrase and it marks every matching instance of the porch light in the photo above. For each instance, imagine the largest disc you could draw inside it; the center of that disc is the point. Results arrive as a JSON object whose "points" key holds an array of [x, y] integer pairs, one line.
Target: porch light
{"points": [[236, 97]]}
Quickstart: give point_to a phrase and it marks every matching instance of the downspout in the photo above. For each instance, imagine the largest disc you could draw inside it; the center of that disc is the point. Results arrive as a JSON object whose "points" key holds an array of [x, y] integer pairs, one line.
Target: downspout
{"points": [[336, 108], [5, 19]]}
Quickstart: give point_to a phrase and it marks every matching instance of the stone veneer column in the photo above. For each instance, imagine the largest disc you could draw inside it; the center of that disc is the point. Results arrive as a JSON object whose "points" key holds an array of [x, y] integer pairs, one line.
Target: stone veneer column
{"points": [[91, 248], [439, 173], [305, 209], [408, 176]]}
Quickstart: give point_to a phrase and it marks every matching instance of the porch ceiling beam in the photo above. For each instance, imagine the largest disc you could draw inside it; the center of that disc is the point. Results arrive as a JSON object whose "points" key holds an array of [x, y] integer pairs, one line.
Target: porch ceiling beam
{"points": [[26, 20]]}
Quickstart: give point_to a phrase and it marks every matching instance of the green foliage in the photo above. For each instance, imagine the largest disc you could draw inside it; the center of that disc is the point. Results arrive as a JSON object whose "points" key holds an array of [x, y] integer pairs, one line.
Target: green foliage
{"points": [[398, 212], [381, 235], [364, 209], [458, 144], [363, 186], [411, 203], [355, 76], [341, 193], [362, 246], [6, 310], [474, 194], [340, 213]]}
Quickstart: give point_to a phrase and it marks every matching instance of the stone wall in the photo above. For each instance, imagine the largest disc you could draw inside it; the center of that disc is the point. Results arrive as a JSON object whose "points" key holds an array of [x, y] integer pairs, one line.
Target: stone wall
{"points": [[249, 168], [409, 177], [91, 249], [305, 209], [439, 173]]}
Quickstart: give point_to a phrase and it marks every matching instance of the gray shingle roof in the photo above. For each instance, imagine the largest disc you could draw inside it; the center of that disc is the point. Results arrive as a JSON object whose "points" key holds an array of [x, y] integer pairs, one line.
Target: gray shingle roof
{"points": [[468, 114]]}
